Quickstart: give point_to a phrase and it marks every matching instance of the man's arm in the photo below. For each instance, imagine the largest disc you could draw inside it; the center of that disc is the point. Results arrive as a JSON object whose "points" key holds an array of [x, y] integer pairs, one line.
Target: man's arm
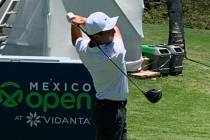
{"points": [[75, 30], [75, 33]]}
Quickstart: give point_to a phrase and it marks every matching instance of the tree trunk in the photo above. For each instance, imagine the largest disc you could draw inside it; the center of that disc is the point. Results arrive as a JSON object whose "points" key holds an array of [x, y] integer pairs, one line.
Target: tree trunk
{"points": [[176, 24]]}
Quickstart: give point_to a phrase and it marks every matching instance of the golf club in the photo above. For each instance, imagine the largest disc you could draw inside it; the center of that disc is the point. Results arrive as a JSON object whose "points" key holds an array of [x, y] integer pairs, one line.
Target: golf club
{"points": [[153, 95], [197, 62]]}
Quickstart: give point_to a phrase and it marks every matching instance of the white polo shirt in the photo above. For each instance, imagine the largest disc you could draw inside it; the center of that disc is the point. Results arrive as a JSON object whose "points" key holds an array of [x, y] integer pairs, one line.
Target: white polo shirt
{"points": [[109, 82]]}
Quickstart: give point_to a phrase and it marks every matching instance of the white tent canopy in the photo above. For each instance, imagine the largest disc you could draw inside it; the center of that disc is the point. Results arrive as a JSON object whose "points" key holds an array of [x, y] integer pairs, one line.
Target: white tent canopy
{"points": [[41, 28], [28, 35], [130, 22]]}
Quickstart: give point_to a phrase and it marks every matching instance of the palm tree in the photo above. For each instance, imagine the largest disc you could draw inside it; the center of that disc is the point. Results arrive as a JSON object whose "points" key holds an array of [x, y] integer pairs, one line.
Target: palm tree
{"points": [[176, 24]]}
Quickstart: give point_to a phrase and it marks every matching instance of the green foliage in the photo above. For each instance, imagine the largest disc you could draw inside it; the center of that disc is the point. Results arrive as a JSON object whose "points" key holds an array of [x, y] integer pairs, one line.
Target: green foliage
{"points": [[196, 13], [157, 14]]}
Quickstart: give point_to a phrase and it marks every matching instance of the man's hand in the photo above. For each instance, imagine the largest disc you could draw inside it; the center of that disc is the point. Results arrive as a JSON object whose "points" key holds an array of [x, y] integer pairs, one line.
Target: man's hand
{"points": [[70, 16], [76, 19]]}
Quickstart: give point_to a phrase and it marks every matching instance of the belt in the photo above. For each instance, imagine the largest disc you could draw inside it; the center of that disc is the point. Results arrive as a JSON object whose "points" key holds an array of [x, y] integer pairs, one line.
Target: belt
{"points": [[111, 102]]}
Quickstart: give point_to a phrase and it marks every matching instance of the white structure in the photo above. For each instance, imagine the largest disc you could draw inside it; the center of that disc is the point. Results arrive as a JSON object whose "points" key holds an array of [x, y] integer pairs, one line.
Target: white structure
{"points": [[41, 28]]}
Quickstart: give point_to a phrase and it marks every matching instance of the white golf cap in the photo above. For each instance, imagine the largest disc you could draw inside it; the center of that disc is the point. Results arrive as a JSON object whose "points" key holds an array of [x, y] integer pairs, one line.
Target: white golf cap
{"points": [[98, 22]]}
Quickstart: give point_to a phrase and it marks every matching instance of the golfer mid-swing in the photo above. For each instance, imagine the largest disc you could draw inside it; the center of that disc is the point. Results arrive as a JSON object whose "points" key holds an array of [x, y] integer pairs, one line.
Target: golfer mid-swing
{"points": [[109, 113]]}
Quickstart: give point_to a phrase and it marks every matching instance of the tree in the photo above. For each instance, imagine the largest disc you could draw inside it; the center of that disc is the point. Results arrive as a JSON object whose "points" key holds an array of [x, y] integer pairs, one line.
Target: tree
{"points": [[176, 24]]}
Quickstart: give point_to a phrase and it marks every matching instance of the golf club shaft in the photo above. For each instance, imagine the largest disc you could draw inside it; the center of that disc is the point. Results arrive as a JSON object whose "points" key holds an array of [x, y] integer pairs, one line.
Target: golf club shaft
{"points": [[125, 74], [195, 61], [117, 65], [122, 71]]}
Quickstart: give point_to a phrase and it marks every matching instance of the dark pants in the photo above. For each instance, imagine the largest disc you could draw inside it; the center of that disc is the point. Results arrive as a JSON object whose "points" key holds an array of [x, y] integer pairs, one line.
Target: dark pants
{"points": [[110, 120]]}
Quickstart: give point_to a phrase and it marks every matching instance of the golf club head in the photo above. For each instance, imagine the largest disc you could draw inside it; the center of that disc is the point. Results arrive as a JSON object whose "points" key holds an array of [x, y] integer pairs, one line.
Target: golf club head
{"points": [[153, 95]]}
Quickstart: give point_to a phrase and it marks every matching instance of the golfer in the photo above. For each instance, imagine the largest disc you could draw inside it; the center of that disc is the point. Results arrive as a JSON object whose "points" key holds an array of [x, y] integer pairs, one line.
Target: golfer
{"points": [[109, 113]]}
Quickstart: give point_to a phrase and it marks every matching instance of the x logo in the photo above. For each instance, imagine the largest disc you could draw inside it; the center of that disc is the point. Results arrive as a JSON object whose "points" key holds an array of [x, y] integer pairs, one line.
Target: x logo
{"points": [[10, 100]]}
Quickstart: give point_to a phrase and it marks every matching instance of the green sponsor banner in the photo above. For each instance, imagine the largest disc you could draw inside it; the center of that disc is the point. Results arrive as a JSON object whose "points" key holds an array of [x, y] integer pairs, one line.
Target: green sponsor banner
{"points": [[53, 101]]}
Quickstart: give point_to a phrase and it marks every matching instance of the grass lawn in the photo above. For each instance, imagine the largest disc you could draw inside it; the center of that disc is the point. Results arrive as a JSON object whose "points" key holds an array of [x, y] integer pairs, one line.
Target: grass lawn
{"points": [[184, 111]]}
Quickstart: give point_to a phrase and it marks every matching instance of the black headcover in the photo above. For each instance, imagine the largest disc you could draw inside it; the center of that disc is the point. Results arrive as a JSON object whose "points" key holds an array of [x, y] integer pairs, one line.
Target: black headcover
{"points": [[153, 95]]}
